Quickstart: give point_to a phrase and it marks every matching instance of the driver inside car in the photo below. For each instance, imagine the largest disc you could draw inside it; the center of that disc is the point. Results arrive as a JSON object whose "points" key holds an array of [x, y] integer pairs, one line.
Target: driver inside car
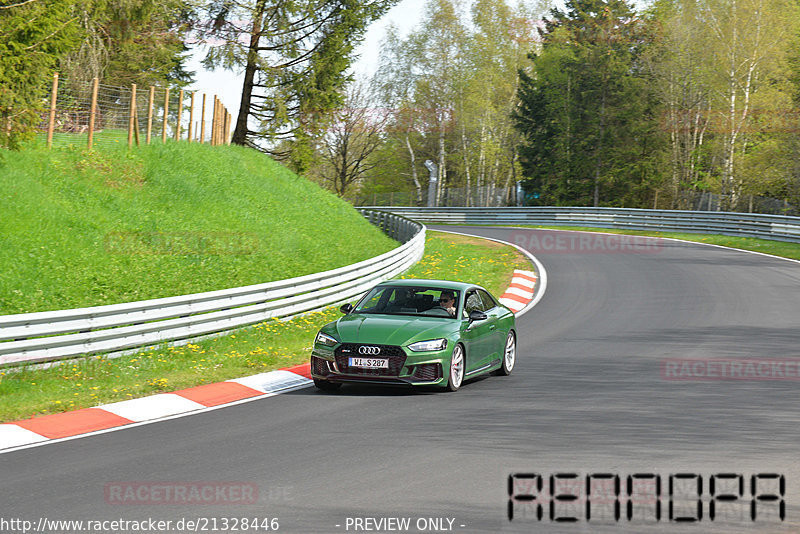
{"points": [[448, 302]]}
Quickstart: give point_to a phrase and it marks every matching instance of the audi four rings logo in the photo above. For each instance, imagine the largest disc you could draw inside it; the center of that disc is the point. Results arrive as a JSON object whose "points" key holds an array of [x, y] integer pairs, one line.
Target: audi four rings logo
{"points": [[372, 351]]}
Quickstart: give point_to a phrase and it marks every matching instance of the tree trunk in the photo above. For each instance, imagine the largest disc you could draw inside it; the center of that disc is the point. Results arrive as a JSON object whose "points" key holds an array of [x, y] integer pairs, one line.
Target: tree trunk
{"points": [[674, 139], [599, 160], [442, 165], [493, 183], [510, 176], [414, 177], [466, 162], [481, 163], [240, 132]]}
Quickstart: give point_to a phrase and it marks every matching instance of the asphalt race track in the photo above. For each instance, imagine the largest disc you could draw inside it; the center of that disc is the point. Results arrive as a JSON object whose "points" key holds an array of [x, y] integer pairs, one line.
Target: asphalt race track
{"points": [[591, 393]]}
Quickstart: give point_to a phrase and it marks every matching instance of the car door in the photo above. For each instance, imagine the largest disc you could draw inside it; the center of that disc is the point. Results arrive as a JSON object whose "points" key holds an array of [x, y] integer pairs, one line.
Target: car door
{"points": [[477, 335], [496, 340]]}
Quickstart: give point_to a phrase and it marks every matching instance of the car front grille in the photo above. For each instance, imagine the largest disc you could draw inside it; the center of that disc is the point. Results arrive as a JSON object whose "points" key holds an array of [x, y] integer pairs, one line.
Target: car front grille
{"points": [[395, 355], [428, 372], [319, 366]]}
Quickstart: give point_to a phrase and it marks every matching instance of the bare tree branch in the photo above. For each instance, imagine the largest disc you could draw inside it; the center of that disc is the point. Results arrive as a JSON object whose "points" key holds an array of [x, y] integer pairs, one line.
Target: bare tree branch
{"points": [[18, 4]]}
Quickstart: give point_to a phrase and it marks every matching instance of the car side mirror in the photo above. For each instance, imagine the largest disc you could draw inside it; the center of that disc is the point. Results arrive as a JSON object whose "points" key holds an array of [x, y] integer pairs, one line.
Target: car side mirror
{"points": [[346, 308], [476, 315]]}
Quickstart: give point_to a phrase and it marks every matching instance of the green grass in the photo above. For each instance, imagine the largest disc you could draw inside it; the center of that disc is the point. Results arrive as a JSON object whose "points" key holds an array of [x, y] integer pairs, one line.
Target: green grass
{"points": [[468, 259], [766, 246], [270, 345], [83, 229]]}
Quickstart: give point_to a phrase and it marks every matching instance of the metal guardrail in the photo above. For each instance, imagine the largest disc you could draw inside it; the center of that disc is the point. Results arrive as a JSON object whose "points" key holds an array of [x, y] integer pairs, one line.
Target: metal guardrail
{"points": [[47, 336], [775, 227]]}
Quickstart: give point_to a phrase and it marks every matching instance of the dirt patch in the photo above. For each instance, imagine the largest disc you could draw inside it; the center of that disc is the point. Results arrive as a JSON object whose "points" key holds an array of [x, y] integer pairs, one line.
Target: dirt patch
{"points": [[466, 240], [114, 173]]}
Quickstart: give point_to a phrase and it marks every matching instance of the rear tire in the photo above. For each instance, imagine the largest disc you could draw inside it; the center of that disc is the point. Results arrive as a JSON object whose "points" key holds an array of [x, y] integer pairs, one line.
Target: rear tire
{"points": [[457, 368], [324, 385]]}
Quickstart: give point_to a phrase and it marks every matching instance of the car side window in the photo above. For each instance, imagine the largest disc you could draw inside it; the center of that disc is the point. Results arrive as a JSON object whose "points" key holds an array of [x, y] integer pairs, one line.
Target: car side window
{"points": [[473, 302], [488, 301]]}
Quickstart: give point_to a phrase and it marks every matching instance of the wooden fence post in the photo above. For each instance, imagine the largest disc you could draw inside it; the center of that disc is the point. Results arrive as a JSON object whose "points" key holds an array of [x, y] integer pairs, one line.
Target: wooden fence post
{"points": [[52, 122], [191, 117], [214, 122], [132, 116], [166, 108], [136, 125], [150, 113], [227, 128], [180, 112], [203, 121], [219, 122], [224, 133], [92, 113]]}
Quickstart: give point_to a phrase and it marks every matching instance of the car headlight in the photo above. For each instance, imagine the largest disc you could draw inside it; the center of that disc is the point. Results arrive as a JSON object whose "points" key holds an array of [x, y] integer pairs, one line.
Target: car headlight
{"points": [[325, 339], [430, 345]]}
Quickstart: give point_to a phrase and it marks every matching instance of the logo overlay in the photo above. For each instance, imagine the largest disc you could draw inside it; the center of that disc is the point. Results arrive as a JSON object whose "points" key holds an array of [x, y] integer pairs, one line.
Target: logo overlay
{"points": [[731, 369]]}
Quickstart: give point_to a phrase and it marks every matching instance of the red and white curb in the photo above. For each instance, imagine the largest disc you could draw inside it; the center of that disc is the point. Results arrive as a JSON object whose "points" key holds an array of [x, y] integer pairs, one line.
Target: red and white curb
{"points": [[153, 408], [520, 293], [134, 412]]}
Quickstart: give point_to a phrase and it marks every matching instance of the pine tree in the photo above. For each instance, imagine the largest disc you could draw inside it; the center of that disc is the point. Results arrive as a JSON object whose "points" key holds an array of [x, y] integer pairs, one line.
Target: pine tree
{"points": [[295, 55], [34, 34], [586, 113]]}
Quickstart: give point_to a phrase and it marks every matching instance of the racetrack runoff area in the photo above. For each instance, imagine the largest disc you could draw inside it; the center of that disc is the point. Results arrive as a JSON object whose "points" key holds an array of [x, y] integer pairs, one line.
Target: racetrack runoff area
{"points": [[587, 397]]}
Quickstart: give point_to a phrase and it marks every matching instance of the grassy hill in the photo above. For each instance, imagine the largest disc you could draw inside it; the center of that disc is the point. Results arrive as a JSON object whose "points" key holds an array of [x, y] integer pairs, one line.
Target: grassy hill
{"points": [[83, 229]]}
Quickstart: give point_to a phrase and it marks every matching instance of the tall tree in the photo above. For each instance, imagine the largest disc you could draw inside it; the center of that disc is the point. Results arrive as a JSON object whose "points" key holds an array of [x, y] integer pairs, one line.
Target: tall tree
{"points": [[586, 114], [352, 136], [436, 48], [722, 70], [750, 40], [394, 85], [679, 65], [128, 42], [451, 84], [34, 35], [294, 54], [496, 52]]}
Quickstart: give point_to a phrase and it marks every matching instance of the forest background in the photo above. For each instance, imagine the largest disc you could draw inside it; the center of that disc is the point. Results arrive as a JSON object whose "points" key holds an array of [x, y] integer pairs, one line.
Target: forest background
{"points": [[592, 103]]}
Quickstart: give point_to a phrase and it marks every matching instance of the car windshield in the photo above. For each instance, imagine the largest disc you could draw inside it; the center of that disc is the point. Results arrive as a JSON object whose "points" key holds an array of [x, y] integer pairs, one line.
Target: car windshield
{"points": [[408, 300]]}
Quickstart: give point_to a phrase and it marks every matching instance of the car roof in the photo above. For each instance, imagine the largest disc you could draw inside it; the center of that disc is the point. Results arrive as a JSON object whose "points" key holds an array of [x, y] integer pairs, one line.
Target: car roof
{"points": [[416, 282]]}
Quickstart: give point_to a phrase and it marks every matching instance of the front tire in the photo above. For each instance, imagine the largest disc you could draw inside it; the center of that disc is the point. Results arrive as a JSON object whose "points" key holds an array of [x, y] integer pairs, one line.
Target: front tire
{"points": [[457, 368], [509, 355], [324, 385]]}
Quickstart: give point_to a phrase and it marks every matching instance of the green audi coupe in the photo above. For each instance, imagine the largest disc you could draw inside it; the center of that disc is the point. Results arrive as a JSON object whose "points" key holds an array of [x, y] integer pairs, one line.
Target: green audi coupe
{"points": [[418, 333]]}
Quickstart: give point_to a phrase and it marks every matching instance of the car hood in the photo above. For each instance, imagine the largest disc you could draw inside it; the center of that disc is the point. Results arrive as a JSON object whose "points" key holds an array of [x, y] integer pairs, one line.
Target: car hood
{"points": [[392, 329]]}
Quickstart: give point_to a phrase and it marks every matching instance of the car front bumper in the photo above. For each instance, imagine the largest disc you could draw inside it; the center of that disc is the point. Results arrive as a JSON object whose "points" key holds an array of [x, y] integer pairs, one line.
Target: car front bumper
{"points": [[404, 368]]}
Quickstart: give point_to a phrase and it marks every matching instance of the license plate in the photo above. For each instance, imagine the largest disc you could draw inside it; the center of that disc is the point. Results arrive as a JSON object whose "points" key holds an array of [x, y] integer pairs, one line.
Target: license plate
{"points": [[369, 363]]}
